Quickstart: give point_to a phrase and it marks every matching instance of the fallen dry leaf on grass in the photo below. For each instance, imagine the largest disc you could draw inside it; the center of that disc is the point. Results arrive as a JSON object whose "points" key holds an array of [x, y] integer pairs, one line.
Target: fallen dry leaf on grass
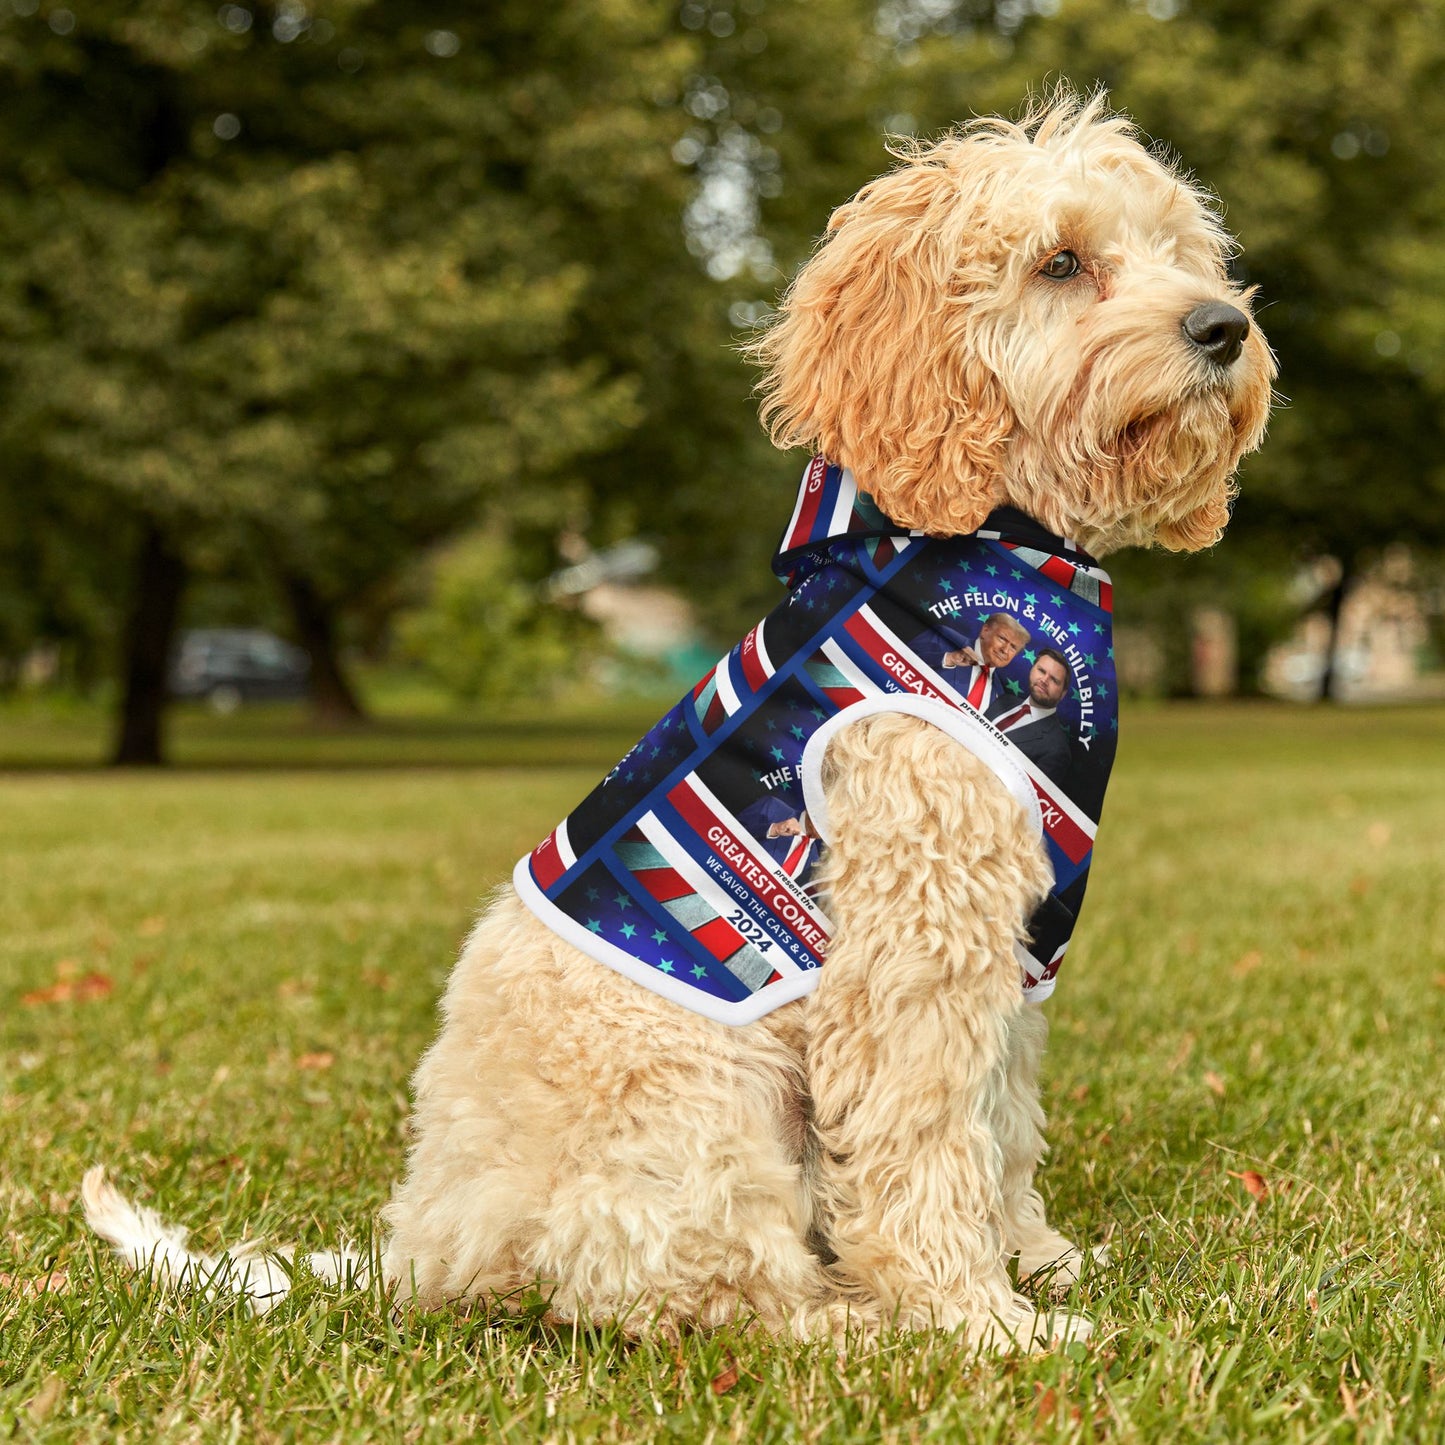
{"points": [[319, 1060], [1045, 1407], [1181, 1054], [67, 990], [723, 1382], [1255, 1183], [56, 1282], [1347, 1399], [1214, 1083], [45, 1399]]}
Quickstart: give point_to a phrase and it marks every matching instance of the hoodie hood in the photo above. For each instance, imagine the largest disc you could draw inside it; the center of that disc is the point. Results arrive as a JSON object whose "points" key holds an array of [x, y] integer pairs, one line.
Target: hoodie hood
{"points": [[834, 518]]}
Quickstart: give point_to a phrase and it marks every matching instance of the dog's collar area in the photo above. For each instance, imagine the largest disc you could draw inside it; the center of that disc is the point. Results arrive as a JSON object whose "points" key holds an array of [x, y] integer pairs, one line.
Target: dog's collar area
{"points": [[833, 507], [1010, 524]]}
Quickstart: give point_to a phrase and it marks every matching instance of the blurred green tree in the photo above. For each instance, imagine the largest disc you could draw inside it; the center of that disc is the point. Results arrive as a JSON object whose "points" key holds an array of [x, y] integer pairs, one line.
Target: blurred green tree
{"points": [[782, 109], [304, 285], [485, 635], [325, 284]]}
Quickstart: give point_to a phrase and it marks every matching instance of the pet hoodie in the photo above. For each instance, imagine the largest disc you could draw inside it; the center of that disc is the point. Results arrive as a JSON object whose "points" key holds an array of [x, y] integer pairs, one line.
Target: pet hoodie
{"points": [[688, 867]]}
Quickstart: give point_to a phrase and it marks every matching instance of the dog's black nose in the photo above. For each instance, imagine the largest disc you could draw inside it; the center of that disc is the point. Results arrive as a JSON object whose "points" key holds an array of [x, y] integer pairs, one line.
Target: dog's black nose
{"points": [[1218, 331]]}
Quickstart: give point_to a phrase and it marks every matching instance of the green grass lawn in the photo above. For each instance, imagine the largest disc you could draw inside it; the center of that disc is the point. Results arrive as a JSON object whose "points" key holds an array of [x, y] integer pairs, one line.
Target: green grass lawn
{"points": [[408, 727], [216, 980]]}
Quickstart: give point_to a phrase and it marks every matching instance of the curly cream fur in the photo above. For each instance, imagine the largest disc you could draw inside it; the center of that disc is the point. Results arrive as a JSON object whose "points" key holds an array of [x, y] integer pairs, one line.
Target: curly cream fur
{"points": [[865, 1156]]}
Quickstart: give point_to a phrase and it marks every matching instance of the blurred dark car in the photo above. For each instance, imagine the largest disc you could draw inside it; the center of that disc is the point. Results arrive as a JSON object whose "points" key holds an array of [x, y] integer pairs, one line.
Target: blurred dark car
{"points": [[230, 665]]}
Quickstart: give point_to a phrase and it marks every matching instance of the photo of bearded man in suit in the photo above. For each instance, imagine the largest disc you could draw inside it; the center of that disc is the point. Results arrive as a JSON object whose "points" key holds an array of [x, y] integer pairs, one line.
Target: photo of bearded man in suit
{"points": [[1033, 726]]}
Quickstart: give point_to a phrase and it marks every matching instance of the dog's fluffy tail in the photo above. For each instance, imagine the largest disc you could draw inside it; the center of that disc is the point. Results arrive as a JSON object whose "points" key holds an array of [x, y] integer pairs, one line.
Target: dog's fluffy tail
{"points": [[147, 1243]]}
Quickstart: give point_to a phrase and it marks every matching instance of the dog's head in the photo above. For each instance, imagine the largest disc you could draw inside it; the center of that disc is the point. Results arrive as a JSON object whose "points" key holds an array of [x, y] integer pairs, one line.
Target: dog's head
{"points": [[1037, 314]]}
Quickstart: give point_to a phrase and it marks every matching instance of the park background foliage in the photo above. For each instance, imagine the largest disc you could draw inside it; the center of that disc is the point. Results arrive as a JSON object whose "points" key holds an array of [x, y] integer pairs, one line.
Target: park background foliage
{"points": [[291, 294]]}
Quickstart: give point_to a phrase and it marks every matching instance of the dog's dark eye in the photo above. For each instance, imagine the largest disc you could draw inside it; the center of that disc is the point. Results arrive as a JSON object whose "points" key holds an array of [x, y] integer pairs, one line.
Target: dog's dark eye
{"points": [[1060, 266]]}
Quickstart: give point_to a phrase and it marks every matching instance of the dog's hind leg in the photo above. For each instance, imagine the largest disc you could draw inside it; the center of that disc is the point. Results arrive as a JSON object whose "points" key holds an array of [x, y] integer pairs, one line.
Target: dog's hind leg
{"points": [[931, 873], [681, 1198], [576, 1134]]}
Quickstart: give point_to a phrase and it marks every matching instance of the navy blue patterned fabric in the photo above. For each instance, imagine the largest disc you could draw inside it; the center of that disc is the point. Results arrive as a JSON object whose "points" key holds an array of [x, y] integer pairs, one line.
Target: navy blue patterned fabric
{"points": [[690, 867]]}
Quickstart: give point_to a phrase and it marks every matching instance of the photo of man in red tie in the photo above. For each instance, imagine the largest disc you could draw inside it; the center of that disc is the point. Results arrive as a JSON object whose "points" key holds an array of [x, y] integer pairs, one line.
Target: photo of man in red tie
{"points": [[782, 828], [997, 644]]}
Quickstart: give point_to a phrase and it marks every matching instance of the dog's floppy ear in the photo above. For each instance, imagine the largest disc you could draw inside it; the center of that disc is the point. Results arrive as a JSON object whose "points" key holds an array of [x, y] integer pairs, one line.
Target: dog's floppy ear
{"points": [[873, 361]]}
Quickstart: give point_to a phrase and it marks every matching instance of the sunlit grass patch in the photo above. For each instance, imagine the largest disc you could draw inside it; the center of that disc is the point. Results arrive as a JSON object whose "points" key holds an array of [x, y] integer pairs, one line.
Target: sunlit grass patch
{"points": [[217, 982]]}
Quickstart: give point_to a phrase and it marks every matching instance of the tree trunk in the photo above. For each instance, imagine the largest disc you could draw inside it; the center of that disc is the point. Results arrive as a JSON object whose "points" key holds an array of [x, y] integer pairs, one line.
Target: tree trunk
{"points": [[160, 578], [1329, 675], [333, 699]]}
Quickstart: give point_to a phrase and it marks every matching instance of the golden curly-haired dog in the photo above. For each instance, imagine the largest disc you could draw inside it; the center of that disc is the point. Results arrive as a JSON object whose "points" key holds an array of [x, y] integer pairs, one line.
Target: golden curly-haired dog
{"points": [[1035, 314]]}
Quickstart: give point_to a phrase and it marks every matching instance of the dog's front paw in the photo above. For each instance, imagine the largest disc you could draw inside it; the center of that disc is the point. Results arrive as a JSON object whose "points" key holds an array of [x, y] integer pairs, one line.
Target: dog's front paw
{"points": [[1023, 1326], [1058, 1270], [1059, 1328]]}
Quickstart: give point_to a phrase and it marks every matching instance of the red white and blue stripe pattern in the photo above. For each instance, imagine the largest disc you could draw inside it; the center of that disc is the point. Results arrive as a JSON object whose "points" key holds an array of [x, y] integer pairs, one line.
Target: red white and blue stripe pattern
{"points": [[689, 869], [831, 505], [738, 676]]}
